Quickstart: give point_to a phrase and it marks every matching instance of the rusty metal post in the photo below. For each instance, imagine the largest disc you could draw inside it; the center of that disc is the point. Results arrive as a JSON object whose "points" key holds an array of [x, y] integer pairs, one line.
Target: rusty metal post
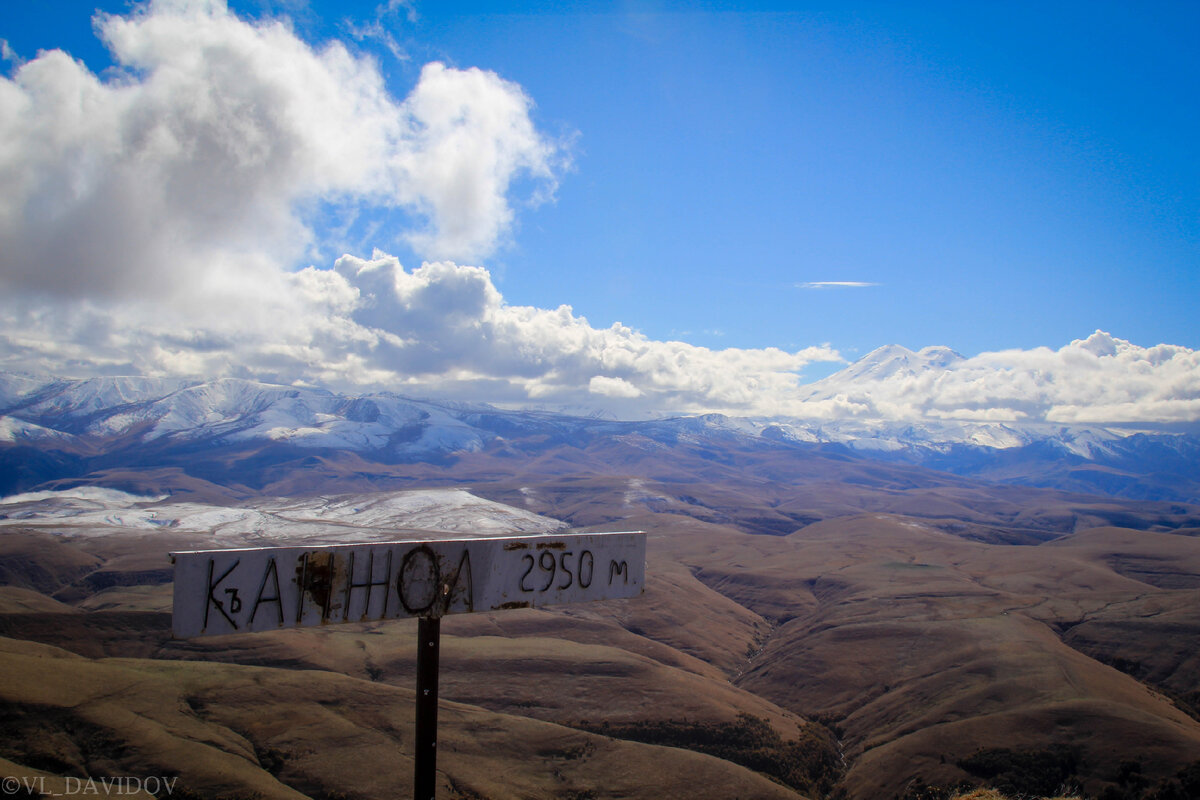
{"points": [[429, 634]]}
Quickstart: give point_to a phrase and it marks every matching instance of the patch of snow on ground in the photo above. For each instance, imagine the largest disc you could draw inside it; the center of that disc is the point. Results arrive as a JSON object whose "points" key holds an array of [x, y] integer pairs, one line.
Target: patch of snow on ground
{"points": [[12, 429], [88, 494], [92, 511], [434, 509], [636, 492]]}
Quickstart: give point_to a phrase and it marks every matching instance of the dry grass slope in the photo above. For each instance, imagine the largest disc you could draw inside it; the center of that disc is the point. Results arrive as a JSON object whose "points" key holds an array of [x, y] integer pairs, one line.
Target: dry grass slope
{"points": [[922, 619], [239, 731]]}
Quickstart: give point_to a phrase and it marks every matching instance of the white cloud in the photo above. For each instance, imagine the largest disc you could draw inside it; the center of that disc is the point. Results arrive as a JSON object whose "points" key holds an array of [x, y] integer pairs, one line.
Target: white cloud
{"points": [[152, 223], [441, 328], [445, 324], [470, 136], [445, 329], [834, 285], [612, 387], [1094, 380], [8, 54], [195, 172], [381, 28]]}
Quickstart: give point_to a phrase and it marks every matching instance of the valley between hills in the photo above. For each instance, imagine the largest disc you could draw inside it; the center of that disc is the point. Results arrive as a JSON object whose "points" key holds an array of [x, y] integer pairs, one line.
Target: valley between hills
{"points": [[816, 623]]}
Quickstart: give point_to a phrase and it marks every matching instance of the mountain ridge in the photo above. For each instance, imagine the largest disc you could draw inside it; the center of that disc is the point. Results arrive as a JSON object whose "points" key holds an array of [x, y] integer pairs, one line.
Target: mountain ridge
{"points": [[856, 590], [116, 421]]}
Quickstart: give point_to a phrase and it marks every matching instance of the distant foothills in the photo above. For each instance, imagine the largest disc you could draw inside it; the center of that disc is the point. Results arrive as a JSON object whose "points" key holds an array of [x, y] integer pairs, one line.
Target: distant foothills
{"points": [[246, 437]]}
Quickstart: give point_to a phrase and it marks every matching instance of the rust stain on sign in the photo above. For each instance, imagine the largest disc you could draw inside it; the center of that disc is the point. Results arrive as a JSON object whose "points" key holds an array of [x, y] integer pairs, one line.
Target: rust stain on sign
{"points": [[314, 576]]}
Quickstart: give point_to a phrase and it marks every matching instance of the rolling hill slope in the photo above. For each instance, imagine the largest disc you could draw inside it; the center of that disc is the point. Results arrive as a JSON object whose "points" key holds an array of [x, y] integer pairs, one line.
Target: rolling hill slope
{"points": [[822, 615]]}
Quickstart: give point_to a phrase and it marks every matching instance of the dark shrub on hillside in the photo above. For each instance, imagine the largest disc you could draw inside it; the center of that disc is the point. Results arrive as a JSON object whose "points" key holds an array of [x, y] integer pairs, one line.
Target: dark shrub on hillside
{"points": [[1185, 786], [1041, 773], [918, 789]]}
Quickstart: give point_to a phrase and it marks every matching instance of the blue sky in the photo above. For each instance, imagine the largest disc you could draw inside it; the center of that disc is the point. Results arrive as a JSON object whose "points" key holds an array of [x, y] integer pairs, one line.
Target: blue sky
{"points": [[989, 176], [1009, 174]]}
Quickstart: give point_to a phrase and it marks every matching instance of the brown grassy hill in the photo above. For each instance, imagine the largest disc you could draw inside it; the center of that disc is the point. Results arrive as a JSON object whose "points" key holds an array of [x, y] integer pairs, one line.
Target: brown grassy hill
{"points": [[585, 670], [926, 647], [245, 731], [922, 623]]}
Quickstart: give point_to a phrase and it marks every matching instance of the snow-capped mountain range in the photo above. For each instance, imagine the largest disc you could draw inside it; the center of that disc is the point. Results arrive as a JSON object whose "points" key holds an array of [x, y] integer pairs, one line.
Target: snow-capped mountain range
{"points": [[227, 410], [54, 428]]}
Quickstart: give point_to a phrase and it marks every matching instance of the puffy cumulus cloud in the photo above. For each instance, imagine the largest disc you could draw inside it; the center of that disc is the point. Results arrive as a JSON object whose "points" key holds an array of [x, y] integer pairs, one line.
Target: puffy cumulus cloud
{"points": [[444, 329], [152, 221], [195, 171], [439, 329], [472, 135], [446, 325], [1100, 379], [612, 387]]}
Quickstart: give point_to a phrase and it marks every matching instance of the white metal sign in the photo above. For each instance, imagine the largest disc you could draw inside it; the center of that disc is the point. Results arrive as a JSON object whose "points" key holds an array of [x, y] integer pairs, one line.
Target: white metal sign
{"points": [[232, 591]]}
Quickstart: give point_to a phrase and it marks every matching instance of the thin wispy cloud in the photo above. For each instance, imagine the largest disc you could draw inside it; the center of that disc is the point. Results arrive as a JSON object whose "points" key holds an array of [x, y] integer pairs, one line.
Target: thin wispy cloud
{"points": [[8, 54], [382, 28], [834, 284]]}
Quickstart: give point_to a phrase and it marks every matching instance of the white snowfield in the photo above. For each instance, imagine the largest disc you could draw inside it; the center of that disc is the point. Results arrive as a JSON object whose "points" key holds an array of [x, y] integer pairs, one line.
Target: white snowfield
{"points": [[91, 511], [15, 430]]}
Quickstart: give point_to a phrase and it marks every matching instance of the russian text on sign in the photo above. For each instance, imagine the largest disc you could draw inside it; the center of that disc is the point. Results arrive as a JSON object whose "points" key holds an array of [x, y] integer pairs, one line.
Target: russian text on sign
{"points": [[232, 591]]}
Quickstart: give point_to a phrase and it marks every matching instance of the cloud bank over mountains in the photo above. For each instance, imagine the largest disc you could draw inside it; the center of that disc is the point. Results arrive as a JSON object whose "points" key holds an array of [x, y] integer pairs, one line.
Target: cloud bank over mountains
{"points": [[1100, 379], [180, 216]]}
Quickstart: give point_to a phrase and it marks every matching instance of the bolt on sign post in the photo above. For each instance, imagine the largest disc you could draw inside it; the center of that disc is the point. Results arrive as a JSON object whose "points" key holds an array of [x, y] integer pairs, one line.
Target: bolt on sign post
{"points": [[219, 592]]}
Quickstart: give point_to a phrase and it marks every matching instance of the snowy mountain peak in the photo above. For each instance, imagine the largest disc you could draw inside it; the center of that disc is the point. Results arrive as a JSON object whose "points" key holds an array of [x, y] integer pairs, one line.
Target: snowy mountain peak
{"points": [[888, 362], [83, 397], [882, 362]]}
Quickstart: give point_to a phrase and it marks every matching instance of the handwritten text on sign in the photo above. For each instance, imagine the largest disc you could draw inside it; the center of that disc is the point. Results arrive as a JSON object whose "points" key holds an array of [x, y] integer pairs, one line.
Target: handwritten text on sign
{"points": [[231, 591]]}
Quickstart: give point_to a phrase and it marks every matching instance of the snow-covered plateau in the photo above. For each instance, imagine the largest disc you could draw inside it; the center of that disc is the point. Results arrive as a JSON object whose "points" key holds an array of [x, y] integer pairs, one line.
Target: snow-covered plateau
{"points": [[386, 516]]}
